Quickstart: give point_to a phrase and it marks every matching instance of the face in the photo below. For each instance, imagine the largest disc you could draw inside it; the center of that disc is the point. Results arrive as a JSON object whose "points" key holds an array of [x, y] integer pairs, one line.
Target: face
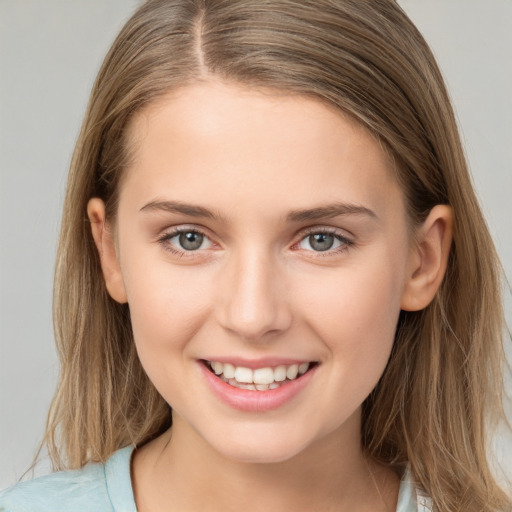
{"points": [[263, 249]]}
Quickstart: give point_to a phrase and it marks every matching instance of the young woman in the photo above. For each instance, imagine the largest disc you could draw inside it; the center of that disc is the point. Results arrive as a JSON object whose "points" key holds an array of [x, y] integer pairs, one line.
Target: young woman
{"points": [[275, 287]]}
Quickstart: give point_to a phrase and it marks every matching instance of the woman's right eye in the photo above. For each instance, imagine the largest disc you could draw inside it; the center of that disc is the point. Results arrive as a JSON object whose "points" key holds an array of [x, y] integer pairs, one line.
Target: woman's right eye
{"points": [[186, 240]]}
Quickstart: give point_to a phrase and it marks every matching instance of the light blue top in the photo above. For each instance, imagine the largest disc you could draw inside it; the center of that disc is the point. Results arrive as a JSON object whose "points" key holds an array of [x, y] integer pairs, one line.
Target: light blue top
{"points": [[108, 488]]}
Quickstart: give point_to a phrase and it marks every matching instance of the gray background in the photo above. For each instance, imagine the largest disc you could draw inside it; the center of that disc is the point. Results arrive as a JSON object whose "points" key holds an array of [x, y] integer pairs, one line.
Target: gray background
{"points": [[49, 53]]}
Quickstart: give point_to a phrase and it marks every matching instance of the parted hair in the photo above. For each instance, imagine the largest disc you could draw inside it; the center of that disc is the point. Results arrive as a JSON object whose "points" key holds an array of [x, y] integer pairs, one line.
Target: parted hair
{"points": [[440, 395]]}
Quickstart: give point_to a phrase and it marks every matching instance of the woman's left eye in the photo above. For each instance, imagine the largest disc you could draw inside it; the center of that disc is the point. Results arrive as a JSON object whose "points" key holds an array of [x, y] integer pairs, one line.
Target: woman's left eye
{"points": [[187, 241], [323, 241]]}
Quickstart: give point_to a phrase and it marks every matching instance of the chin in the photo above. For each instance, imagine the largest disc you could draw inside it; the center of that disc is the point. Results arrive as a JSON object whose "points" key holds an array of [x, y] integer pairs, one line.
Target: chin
{"points": [[252, 448], [259, 455]]}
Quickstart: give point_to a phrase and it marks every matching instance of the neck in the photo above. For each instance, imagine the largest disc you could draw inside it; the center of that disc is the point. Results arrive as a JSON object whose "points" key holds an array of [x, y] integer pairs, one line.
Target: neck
{"points": [[180, 471]]}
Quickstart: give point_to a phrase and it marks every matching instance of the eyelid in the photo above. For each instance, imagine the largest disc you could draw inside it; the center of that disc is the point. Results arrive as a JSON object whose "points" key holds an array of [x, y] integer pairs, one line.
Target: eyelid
{"points": [[172, 231], [338, 233], [325, 229], [169, 233]]}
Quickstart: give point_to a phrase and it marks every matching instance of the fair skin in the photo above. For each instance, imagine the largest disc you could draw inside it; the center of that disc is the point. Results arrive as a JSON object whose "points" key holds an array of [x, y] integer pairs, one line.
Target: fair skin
{"points": [[294, 248]]}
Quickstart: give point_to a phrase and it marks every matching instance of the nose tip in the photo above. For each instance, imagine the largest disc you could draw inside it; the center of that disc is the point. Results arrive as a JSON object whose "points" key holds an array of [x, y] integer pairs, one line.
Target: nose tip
{"points": [[255, 306], [257, 322]]}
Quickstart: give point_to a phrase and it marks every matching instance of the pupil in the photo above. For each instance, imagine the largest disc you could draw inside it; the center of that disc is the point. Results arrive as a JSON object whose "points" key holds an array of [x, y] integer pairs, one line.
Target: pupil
{"points": [[191, 241], [321, 241]]}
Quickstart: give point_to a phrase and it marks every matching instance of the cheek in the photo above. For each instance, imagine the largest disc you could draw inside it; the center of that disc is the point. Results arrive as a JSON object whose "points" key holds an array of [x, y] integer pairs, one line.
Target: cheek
{"points": [[356, 321], [167, 306], [167, 309], [356, 314]]}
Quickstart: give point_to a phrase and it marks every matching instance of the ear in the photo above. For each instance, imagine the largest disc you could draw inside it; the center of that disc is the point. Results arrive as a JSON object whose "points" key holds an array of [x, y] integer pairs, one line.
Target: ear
{"points": [[105, 244], [428, 259]]}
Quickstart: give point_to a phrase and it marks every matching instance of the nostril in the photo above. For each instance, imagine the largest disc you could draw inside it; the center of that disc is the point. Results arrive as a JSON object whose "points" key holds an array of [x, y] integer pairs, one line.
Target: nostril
{"points": [[254, 307]]}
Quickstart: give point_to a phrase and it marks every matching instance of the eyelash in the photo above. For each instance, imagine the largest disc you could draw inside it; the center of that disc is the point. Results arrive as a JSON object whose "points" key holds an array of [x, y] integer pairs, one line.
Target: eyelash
{"points": [[345, 243], [164, 241]]}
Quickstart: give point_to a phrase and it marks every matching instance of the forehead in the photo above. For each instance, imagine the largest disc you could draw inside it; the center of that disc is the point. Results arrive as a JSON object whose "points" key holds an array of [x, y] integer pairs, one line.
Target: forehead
{"points": [[220, 141]]}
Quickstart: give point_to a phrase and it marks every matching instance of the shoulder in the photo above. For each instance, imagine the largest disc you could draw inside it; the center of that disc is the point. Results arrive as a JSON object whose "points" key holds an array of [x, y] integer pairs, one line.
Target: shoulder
{"points": [[410, 497], [65, 490], [85, 489]]}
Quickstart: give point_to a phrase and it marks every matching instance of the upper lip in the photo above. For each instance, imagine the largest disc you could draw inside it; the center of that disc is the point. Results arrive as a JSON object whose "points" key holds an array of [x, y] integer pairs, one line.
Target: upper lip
{"points": [[263, 362]]}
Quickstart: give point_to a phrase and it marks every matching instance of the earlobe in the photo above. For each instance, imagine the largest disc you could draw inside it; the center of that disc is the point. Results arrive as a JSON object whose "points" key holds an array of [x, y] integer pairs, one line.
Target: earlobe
{"points": [[105, 244], [428, 259]]}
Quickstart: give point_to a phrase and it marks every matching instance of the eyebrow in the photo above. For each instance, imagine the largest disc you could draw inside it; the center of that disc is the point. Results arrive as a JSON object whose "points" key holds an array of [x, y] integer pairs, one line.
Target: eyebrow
{"points": [[179, 207], [329, 211], [322, 212]]}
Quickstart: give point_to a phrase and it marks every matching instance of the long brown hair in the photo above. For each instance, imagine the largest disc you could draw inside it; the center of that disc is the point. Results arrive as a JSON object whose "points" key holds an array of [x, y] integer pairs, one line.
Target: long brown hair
{"points": [[441, 390]]}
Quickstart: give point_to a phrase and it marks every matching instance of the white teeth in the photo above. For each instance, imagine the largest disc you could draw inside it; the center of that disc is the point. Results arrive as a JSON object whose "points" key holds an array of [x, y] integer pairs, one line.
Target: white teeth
{"points": [[303, 368], [251, 387], [244, 375], [239, 385], [280, 374], [263, 376], [292, 371], [261, 379], [229, 371]]}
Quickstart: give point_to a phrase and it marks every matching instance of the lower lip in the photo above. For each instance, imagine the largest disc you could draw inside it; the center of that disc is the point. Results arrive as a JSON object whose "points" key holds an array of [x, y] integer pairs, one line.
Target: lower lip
{"points": [[256, 401]]}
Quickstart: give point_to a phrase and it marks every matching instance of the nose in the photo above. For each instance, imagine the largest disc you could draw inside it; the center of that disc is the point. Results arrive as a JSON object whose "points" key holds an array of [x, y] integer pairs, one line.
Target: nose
{"points": [[253, 298]]}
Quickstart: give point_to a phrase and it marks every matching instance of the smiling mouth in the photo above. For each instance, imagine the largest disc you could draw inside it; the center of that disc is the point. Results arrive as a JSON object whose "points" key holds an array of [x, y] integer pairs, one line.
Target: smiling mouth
{"points": [[260, 379]]}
